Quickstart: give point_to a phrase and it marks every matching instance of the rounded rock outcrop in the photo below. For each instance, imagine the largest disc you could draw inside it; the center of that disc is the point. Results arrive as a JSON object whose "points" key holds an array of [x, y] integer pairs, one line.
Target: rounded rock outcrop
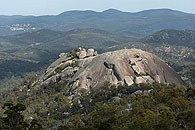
{"points": [[126, 66]]}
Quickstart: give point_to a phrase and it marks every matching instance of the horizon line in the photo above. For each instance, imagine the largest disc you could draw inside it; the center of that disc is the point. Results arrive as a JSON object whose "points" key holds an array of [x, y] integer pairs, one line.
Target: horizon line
{"points": [[83, 10]]}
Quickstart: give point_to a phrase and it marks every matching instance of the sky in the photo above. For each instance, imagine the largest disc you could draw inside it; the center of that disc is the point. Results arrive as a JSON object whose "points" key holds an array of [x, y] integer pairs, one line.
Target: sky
{"points": [[52, 7]]}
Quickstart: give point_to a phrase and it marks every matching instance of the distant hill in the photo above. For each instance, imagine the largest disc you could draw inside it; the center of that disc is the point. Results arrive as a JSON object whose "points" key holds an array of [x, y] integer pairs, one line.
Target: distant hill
{"points": [[172, 37], [48, 41], [115, 21], [12, 65], [35, 36], [38, 48], [15, 43]]}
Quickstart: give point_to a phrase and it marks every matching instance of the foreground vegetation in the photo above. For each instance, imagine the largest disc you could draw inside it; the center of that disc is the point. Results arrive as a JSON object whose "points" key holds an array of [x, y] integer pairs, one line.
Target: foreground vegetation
{"points": [[14, 120], [135, 107]]}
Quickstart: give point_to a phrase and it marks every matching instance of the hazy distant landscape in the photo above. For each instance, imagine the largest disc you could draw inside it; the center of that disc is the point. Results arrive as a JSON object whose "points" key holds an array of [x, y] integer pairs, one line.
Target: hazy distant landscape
{"points": [[39, 43], [112, 20]]}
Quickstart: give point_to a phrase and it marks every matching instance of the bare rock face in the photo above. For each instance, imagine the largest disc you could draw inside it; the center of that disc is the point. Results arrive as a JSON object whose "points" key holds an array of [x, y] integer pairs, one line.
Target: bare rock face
{"points": [[66, 66], [144, 79], [82, 54], [90, 52], [95, 53], [62, 55], [128, 80], [127, 66]]}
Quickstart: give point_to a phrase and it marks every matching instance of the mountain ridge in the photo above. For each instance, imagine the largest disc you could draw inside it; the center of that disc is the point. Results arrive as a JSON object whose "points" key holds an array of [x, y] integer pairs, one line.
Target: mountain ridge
{"points": [[172, 37], [112, 20]]}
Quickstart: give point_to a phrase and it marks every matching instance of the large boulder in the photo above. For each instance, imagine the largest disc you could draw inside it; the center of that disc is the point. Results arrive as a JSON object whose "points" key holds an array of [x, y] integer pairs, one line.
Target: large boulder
{"points": [[82, 54], [90, 52], [127, 66], [62, 55], [128, 80], [144, 79]]}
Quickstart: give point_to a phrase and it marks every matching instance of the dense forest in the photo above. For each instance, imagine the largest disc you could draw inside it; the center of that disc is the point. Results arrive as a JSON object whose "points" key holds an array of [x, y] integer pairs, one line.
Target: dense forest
{"points": [[28, 104], [135, 107]]}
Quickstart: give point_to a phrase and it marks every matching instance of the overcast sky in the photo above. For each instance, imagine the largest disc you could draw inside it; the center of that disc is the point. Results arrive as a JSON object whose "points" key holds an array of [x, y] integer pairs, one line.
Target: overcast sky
{"points": [[43, 7]]}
